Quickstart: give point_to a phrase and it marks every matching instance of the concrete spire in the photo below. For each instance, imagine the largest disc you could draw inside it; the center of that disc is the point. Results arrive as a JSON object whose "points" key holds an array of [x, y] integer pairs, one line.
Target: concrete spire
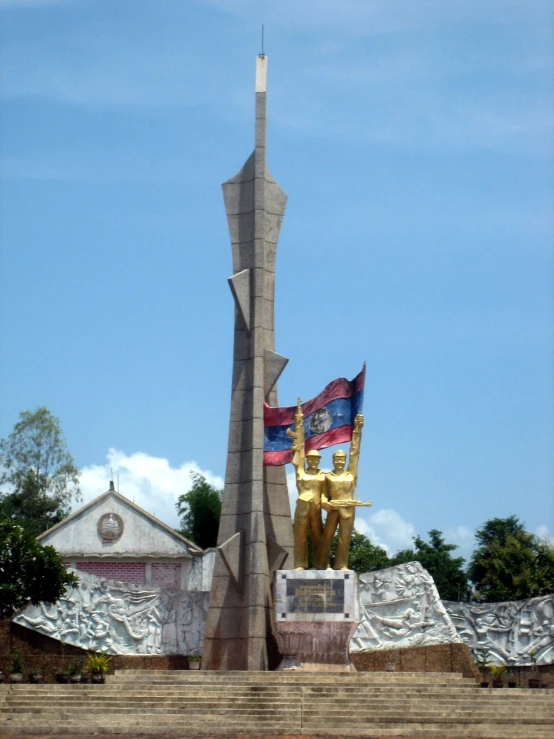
{"points": [[255, 533]]}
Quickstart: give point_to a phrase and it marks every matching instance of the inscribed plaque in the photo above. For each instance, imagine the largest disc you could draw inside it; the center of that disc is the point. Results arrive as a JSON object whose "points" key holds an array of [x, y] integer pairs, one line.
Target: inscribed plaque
{"points": [[315, 596]]}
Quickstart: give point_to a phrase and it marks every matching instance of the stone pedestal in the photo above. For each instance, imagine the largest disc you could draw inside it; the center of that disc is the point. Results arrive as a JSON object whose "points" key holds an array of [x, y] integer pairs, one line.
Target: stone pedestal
{"points": [[316, 614]]}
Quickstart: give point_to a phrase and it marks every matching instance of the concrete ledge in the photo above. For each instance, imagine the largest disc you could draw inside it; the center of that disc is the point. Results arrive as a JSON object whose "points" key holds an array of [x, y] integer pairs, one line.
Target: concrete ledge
{"points": [[437, 658]]}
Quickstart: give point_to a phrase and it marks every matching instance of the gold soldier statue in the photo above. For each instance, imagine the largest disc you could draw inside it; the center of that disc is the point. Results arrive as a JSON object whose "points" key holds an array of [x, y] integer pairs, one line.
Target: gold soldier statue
{"points": [[311, 486], [338, 500]]}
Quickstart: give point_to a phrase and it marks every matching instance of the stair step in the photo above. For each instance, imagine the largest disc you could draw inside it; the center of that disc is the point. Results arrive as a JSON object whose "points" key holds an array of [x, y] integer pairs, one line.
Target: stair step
{"points": [[331, 703], [209, 703], [369, 729]]}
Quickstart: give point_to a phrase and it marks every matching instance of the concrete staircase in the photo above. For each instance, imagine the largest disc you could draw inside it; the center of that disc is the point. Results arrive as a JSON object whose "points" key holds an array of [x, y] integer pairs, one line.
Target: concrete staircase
{"points": [[360, 704]]}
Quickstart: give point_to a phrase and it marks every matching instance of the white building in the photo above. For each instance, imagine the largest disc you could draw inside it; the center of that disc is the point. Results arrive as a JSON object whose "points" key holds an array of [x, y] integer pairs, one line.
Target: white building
{"points": [[113, 538]]}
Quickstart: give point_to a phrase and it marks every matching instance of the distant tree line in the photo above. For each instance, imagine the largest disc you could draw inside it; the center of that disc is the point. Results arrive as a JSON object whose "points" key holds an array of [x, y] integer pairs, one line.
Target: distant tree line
{"points": [[39, 481], [508, 563]]}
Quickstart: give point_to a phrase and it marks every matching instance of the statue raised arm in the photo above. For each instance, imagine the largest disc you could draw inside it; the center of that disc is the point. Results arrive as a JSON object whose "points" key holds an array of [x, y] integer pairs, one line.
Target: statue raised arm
{"points": [[340, 503], [298, 437], [311, 486], [355, 447]]}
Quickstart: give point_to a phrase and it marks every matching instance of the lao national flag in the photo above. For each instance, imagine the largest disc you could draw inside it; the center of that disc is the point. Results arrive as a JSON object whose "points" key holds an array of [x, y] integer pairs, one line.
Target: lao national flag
{"points": [[328, 420]]}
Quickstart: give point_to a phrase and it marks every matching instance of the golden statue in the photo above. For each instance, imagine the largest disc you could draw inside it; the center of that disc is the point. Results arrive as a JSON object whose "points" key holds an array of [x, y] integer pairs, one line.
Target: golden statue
{"points": [[339, 502], [311, 486]]}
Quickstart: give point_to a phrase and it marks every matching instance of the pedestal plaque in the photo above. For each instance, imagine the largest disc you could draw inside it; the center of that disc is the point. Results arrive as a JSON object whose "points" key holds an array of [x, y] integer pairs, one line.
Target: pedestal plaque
{"points": [[316, 614]]}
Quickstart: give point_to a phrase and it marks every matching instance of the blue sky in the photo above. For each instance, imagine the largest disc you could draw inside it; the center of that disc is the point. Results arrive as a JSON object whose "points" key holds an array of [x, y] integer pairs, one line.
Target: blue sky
{"points": [[415, 141]]}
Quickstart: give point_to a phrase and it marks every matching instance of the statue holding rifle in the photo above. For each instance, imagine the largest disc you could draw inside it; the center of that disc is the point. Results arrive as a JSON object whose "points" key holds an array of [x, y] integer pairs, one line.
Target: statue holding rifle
{"points": [[339, 502], [333, 491], [311, 486]]}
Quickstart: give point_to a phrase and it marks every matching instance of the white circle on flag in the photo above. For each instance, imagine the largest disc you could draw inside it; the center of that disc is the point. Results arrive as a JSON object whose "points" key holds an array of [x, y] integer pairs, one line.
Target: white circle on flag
{"points": [[320, 421]]}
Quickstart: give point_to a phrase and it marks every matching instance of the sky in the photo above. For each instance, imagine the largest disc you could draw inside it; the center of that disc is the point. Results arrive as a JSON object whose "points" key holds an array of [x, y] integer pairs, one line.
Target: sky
{"points": [[414, 139]]}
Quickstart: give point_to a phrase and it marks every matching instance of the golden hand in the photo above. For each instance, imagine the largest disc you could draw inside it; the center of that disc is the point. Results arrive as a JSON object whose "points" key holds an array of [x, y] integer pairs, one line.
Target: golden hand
{"points": [[294, 436]]}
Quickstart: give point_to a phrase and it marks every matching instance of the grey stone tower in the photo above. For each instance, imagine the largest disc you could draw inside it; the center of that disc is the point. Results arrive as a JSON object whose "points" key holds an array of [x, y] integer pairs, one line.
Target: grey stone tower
{"points": [[255, 533]]}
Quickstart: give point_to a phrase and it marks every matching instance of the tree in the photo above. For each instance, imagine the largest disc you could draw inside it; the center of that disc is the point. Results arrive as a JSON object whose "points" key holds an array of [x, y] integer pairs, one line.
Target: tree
{"points": [[38, 471], [510, 563], [447, 571], [29, 572], [364, 556], [200, 511], [30, 509]]}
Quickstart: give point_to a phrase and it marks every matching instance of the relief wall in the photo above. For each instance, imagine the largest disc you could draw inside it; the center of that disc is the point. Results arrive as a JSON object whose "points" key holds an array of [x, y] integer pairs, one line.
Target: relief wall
{"points": [[401, 607], [515, 633], [120, 618]]}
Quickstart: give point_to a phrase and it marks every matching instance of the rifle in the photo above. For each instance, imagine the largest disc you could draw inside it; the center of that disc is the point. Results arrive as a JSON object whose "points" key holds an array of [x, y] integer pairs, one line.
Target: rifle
{"points": [[350, 503], [298, 437]]}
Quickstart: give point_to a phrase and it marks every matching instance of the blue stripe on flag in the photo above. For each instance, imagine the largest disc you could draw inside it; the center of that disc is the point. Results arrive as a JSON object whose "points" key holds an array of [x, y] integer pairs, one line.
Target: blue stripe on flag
{"points": [[342, 410]]}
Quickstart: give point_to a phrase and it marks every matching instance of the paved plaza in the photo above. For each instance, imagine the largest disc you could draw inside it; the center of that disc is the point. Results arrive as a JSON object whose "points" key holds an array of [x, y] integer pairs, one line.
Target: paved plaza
{"points": [[215, 736]]}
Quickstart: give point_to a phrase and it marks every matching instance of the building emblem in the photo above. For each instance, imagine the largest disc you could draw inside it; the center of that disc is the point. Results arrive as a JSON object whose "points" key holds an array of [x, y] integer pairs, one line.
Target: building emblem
{"points": [[110, 526]]}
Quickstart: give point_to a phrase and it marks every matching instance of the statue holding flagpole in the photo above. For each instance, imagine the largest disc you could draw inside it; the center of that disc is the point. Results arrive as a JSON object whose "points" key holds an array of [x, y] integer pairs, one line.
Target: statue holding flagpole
{"points": [[294, 435], [311, 485], [340, 504]]}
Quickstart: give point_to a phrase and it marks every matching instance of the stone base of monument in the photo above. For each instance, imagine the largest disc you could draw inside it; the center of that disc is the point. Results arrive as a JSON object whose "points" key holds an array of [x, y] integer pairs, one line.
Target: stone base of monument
{"points": [[322, 647], [316, 614]]}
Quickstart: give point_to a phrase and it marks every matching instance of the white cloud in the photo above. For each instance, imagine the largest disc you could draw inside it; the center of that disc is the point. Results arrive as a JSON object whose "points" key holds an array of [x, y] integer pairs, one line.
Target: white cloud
{"points": [[543, 533], [150, 482], [386, 528], [463, 537]]}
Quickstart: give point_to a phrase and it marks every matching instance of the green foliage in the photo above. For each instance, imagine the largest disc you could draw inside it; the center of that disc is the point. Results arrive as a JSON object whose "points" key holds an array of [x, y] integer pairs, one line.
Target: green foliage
{"points": [[364, 556], [510, 563], [497, 671], [447, 571], [98, 664], [17, 663], [39, 477], [75, 666], [29, 572], [482, 658], [200, 511], [30, 508]]}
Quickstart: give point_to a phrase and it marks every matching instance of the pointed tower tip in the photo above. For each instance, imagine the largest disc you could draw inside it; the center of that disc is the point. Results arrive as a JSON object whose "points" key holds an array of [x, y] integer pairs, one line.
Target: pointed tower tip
{"points": [[261, 73]]}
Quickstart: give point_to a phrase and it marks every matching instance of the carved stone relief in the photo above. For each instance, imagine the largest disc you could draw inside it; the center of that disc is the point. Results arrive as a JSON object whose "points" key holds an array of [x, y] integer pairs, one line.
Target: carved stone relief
{"points": [[401, 607], [120, 618], [513, 633]]}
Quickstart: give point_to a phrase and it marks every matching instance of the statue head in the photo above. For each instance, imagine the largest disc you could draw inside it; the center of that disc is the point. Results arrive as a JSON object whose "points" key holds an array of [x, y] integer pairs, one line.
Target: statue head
{"points": [[312, 459], [339, 459]]}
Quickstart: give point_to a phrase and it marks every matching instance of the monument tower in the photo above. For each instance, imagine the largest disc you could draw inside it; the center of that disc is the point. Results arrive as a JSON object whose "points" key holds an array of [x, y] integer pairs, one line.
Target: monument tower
{"points": [[255, 533]]}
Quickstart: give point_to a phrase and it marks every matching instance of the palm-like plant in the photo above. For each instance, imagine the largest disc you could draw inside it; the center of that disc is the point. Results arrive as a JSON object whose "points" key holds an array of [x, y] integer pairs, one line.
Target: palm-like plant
{"points": [[98, 664]]}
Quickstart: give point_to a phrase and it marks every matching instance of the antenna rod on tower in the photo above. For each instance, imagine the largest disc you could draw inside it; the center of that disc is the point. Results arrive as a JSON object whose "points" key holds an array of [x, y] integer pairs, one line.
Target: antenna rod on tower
{"points": [[262, 54]]}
